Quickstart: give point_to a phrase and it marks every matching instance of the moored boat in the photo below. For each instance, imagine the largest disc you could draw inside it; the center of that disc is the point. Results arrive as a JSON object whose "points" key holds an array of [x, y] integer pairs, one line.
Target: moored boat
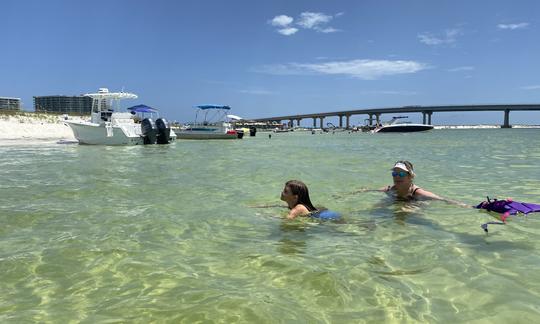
{"points": [[393, 127], [109, 126], [211, 127]]}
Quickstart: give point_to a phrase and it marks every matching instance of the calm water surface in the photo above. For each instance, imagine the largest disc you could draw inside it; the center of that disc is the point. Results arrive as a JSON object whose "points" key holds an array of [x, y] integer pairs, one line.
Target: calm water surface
{"points": [[169, 233]]}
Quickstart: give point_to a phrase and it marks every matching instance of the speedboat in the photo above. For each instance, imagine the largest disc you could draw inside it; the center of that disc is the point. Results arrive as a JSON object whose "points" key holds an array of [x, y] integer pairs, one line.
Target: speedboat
{"points": [[214, 124], [394, 127], [109, 126]]}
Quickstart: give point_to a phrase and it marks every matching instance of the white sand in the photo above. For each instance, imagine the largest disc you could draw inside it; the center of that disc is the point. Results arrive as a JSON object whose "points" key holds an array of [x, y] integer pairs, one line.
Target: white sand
{"points": [[39, 127]]}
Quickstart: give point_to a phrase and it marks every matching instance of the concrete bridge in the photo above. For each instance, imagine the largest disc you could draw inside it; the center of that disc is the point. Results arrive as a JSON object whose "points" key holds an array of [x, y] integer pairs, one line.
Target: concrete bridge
{"points": [[427, 112]]}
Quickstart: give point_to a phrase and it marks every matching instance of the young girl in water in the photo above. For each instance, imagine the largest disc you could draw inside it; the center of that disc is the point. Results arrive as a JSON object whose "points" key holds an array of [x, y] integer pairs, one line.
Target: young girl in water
{"points": [[296, 195]]}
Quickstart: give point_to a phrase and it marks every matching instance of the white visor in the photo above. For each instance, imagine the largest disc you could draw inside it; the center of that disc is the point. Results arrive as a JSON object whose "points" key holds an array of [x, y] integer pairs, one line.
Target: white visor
{"points": [[403, 167]]}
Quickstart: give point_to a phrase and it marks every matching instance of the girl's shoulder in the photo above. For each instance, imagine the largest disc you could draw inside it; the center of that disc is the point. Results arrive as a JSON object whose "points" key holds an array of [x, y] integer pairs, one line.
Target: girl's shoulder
{"points": [[298, 210], [301, 208]]}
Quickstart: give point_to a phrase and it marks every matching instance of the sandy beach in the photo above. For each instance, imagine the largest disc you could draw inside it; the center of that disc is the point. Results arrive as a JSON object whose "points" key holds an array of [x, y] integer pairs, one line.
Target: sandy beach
{"points": [[27, 127]]}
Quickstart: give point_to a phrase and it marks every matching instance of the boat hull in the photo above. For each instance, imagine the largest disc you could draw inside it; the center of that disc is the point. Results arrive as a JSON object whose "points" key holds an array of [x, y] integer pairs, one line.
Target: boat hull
{"points": [[404, 128], [93, 134], [204, 136], [97, 134], [206, 132]]}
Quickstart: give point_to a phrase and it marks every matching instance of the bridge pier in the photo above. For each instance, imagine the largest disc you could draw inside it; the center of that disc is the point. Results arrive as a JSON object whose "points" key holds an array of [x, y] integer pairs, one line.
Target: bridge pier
{"points": [[378, 118], [506, 119], [370, 119], [347, 121], [428, 114], [322, 122], [314, 122], [340, 121], [298, 122]]}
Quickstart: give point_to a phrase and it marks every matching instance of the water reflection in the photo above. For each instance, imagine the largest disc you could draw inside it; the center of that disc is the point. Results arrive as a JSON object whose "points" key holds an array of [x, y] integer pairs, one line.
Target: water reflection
{"points": [[293, 238]]}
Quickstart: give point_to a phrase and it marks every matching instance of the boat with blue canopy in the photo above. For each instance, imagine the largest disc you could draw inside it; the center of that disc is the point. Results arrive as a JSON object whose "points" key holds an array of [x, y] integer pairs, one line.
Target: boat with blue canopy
{"points": [[211, 122]]}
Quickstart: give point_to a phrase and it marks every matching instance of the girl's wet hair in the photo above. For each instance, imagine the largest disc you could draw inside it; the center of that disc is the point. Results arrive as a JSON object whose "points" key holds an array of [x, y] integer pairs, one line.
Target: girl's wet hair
{"points": [[300, 189]]}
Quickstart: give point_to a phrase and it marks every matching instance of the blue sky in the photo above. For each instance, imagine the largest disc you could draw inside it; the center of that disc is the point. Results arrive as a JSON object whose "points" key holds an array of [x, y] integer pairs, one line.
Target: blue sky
{"points": [[276, 58]]}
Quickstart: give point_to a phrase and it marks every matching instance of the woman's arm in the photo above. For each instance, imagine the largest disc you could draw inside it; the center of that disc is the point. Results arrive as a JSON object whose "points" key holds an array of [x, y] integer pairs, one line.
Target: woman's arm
{"points": [[421, 193], [383, 189]]}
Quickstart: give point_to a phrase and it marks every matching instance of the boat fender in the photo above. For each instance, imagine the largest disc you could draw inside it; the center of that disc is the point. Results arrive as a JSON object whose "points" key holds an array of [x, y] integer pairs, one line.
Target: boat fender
{"points": [[325, 214]]}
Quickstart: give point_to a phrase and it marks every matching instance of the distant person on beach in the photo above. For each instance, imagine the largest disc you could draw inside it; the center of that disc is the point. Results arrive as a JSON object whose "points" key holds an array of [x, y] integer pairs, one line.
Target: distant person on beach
{"points": [[296, 195], [404, 188]]}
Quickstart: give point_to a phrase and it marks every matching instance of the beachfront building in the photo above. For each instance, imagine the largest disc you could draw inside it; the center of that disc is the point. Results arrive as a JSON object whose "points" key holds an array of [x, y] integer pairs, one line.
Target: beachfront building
{"points": [[79, 105], [7, 103]]}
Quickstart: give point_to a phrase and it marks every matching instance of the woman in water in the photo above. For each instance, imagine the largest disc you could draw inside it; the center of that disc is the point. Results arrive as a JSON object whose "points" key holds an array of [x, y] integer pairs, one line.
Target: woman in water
{"points": [[296, 195], [404, 188]]}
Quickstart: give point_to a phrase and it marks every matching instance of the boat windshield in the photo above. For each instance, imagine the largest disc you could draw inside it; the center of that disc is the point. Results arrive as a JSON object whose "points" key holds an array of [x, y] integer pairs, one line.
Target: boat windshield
{"points": [[395, 119]]}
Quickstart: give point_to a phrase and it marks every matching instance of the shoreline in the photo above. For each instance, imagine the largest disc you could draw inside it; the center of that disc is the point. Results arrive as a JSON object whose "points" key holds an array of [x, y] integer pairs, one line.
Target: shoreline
{"points": [[480, 126], [30, 126], [27, 127]]}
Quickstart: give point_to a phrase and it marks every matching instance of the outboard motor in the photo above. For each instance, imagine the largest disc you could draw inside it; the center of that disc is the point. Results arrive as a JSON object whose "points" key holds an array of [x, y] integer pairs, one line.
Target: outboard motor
{"points": [[252, 131], [240, 133], [149, 132], [163, 131]]}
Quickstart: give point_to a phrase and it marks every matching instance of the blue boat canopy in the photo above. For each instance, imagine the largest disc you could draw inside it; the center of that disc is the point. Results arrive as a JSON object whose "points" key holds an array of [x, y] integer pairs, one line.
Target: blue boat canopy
{"points": [[142, 109], [213, 107]]}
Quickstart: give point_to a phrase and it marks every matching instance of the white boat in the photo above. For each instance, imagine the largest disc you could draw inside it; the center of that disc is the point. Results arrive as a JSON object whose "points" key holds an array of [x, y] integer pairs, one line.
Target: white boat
{"points": [[393, 127], [109, 126], [214, 126]]}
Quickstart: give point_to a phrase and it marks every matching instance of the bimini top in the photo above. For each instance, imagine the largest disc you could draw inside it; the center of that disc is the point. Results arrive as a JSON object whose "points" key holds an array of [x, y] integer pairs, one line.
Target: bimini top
{"points": [[103, 93], [203, 107], [142, 109]]}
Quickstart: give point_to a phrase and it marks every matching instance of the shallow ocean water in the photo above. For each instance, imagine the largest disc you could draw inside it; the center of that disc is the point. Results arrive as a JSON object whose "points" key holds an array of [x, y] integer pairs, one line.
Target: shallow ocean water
{"points": [[170, 233]]}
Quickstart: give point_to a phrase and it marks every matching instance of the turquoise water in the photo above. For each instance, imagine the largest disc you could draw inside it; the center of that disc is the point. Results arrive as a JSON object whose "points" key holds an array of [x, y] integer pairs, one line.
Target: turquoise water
{"points": [[168, 233]]}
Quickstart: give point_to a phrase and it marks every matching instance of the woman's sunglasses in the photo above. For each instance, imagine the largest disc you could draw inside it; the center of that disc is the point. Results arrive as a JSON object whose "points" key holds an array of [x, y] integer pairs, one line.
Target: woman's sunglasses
{"points": [[401, 174]]}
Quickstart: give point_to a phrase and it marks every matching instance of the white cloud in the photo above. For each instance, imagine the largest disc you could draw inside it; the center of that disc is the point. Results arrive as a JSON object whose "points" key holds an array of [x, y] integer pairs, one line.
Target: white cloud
{"points": [[531, 87], [448, 37], [311, 20], [328, 30], [287, 31], [361, 69], [258, 92], [461, 68], [281, 21], [513, 26], [308, 20], [389, 92], [317, 21]]}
